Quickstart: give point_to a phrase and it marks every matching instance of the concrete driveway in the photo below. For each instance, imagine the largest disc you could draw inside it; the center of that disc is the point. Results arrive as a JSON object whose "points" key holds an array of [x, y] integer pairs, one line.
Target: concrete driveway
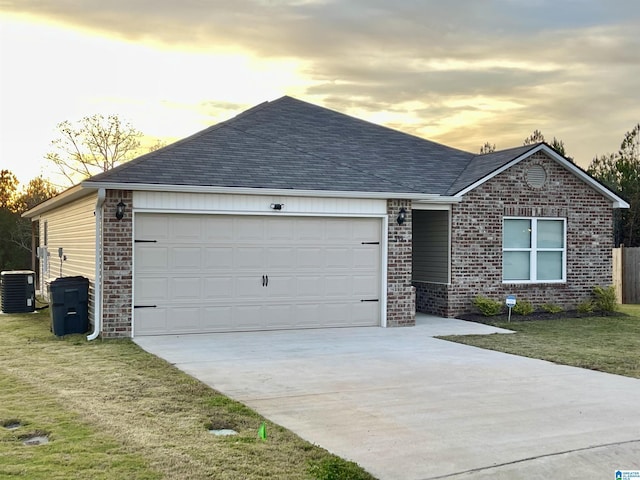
{"points": [[407, 406]]}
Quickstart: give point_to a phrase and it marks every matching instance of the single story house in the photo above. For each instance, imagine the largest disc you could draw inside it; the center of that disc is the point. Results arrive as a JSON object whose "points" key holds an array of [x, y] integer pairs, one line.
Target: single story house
{"points": [[291, 215]]}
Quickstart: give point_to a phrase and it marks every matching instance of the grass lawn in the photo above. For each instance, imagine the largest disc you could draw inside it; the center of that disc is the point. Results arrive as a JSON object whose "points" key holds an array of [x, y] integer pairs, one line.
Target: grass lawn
{"points": [[608, 344], [112, 411]]}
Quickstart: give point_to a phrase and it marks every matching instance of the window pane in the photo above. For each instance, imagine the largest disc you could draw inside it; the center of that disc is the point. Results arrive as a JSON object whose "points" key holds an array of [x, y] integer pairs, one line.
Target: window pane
{"points": [[549, 266], [516, 266], [550, 234], [517, 234]]}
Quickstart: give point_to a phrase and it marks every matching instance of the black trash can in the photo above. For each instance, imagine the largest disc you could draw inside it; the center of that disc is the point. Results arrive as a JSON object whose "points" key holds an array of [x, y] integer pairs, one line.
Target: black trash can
{"points": [[69, 305]]}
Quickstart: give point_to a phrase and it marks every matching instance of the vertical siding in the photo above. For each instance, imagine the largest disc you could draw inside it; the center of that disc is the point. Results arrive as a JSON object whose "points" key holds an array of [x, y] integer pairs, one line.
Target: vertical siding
{"points": [[431, 246], [213, 202]]}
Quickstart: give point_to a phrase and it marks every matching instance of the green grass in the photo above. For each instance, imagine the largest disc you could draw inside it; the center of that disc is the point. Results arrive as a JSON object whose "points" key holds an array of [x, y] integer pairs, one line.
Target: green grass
{"points": [[113, 411], [608, 344]]}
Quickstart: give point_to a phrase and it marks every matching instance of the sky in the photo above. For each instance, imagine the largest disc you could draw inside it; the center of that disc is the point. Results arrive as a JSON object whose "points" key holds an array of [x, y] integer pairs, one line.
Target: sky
{"points": [[458, 72]]}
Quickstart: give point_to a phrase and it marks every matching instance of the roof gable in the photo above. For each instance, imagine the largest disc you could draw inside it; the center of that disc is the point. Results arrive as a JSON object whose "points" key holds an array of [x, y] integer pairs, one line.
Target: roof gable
{"points": [[499, 162]]}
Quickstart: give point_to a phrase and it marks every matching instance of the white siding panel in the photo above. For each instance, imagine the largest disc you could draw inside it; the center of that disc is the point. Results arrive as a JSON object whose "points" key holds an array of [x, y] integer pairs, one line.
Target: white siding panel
{"points": [[221, 203], [71, 227]]}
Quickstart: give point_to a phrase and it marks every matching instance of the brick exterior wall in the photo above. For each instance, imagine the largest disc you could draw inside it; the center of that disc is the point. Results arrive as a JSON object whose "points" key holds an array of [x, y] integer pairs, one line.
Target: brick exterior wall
{"points": [[476, 248], [117, 257], [401, 295]]}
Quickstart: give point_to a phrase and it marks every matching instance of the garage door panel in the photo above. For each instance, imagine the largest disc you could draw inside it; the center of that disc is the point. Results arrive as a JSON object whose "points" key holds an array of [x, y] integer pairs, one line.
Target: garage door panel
{"points": [[364, 231], [217, 288], [185, 288], [151, 321], [280, 258], [249, 287], [279, 230], [310, 286], [280, 286], [208, 273], [309, 229], [217, 318], [248, 229], [337, 286], [186, 258], [338, 258], [249, 317], [151, 290], [249, 258], [218, 258], [186, 229], [185, 319], [366, 258], [309, 258], [152, 227], [151, 259], [217, 229], [365, 285]]}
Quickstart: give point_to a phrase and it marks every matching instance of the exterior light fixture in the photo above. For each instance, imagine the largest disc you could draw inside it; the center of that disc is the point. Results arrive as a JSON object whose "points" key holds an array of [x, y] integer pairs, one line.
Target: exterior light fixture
{"points": [[277, 206], [120, 210], [401, 216]]}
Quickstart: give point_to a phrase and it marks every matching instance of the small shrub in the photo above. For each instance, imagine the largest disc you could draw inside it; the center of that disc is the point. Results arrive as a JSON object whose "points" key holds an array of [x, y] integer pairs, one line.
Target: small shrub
{"points": [[487, 307], [585, 307], [522, 307], [552, 308], [605, 299]]}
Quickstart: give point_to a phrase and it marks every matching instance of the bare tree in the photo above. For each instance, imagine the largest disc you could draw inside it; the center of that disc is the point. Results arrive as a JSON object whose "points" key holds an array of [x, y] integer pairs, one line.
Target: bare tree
{"points": [[92, 145]]}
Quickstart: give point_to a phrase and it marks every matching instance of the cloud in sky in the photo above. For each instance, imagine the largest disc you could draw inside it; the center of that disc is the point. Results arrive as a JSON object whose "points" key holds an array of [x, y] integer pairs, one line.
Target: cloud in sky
{"points": [[461, 72]]}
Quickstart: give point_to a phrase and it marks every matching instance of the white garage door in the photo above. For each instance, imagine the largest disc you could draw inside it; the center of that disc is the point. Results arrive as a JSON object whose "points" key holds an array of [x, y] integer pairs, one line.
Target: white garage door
{"points": [[215, 273]]}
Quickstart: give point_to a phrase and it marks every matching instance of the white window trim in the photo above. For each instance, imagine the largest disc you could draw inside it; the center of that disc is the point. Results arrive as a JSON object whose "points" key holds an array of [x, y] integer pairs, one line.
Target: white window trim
{"points": [[533, 259]]}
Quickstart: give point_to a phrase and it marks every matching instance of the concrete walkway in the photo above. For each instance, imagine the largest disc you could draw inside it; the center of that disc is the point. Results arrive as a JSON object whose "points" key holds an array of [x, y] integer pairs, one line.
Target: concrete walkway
{"points": [[407, 406]]}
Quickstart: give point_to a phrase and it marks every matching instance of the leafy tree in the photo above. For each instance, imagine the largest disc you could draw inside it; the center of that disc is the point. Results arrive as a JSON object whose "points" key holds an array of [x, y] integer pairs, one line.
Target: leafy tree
{"points": [[11, 255], [15, 231], [557, 145], [488, 147], [8, 189], [621, 173], [92, 145], [37, 191], [535, 137]]}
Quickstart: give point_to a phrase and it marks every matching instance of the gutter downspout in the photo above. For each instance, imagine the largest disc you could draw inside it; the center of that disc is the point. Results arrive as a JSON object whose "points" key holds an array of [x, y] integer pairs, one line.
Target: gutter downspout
{"points": [[97, 287]]}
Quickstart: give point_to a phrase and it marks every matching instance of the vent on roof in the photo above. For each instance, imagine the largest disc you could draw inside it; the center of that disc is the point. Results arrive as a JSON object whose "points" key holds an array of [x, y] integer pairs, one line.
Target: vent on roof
{"points": [[536, 176]]}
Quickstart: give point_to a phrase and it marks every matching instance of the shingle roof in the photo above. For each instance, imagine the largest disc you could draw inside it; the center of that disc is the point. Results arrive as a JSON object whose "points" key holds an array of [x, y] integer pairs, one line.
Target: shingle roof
{"points": [[291, 144]]}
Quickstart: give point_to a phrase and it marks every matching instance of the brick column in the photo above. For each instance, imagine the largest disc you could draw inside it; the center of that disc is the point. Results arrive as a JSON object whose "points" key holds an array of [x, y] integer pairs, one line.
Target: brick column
{"points": [[117, 256], [401, 295]]}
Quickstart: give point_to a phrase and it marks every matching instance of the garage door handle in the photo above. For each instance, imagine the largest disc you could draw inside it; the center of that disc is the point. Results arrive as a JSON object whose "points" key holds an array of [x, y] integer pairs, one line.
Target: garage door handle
{"points": [[267, 284]]}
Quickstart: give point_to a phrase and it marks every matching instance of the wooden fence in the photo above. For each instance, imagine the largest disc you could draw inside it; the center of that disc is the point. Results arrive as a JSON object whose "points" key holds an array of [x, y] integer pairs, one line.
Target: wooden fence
{"points": [[626, 274]]}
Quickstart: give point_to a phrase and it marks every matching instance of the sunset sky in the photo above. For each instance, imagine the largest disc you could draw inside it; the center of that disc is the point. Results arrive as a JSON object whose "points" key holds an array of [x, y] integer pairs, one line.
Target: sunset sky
{"points": [[459, 72]]}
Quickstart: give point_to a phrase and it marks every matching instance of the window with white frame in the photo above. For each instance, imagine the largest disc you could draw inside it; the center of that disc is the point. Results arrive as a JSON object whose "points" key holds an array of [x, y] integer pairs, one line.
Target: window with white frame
{"points": [[534, 250]]}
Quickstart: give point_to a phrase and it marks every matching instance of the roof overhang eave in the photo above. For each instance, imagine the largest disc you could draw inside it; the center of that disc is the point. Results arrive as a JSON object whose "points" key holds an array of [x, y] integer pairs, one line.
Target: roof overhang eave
{"points": [[285, 192], [69, 195]]}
